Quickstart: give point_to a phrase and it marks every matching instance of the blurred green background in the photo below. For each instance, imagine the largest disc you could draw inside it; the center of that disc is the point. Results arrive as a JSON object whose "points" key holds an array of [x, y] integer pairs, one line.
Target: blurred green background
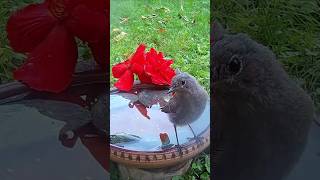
{"points": [[291, 28], [8, 59]]}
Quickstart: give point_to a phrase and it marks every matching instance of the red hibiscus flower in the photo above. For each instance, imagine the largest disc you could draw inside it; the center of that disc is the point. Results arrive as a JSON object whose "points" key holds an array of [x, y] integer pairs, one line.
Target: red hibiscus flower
{"points": [[125, 70], [158, 68], [46, 33], [150, 67], [164, 138]]}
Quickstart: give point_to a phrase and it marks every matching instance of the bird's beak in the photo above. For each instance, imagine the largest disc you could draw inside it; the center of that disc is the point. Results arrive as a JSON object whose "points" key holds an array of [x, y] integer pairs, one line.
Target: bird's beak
{"points": [[171, 90]]}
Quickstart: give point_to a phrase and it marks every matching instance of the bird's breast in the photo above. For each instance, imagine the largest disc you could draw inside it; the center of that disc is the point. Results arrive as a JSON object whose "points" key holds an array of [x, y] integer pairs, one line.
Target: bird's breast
{"points": [[189, 110]]}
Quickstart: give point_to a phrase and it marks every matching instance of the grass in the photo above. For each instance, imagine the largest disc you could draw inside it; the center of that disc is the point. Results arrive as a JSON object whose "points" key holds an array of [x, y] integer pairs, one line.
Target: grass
{"points": [[8, 59], [289, 27], [181, 34], [180, 31]]}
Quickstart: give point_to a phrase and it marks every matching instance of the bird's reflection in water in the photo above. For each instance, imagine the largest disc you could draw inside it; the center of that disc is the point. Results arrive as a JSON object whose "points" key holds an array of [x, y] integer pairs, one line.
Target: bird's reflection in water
{"points": [[85, 126], [94, 141], [86, 121], [143, 99]]}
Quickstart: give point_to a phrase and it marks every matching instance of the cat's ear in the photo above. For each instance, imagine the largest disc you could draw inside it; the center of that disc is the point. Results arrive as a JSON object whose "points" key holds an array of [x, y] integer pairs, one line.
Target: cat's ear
{"points": [[217, 32]]}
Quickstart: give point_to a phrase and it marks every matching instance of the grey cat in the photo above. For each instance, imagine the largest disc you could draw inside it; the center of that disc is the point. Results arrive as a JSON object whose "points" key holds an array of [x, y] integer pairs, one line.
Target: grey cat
{"points": [[261, 118]]}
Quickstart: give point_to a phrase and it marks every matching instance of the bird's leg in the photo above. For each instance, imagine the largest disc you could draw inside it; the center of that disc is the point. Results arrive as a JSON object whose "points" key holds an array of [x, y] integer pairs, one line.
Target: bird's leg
{"points": [[198, 140], [178, 145]]}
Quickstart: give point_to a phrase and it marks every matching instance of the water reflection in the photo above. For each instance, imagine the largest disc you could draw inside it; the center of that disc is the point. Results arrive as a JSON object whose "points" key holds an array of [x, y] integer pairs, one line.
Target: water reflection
{"points": [[54, 136], [137, 122], [143, 99], [308, 165]]}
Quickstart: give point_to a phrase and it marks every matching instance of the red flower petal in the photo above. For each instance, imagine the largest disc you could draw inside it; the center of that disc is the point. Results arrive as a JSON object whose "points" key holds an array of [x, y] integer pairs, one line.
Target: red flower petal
{"points": [[149, 69], [97, 5], [50, 65], [158, 79], [166, 64], [101, 52], [96, 146], [125, 82], [29, 26], [145, 78], [151, 56], [139, 55], [137, 68], [164, 137], [88, 25], [169, 74], [119, 69], [163, 77], [142, 109], [58, 8], [158, 68], [160, 55]]}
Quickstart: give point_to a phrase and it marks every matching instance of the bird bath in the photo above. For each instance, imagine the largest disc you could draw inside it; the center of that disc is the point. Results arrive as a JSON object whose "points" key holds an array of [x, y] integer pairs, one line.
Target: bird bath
{"points": [[142, 139], [53, 136]]}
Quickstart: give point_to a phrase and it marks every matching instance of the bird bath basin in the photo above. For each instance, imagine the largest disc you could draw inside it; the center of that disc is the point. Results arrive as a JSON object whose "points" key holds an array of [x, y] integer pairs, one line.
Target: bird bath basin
{"points": [[141, 135], [53, 136]]}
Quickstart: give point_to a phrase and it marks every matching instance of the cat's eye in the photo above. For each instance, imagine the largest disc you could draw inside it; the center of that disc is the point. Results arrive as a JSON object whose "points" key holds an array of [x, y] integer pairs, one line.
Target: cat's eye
{"points": [[234, 65]]}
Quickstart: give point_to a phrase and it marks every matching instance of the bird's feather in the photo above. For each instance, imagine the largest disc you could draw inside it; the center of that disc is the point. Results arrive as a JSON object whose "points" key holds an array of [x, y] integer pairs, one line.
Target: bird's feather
{"points": [[170, 107]]}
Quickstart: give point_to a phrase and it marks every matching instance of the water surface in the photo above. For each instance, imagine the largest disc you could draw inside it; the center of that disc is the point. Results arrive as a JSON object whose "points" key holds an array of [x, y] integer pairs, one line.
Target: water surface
{"points": [[147, 123], [30, 147]]}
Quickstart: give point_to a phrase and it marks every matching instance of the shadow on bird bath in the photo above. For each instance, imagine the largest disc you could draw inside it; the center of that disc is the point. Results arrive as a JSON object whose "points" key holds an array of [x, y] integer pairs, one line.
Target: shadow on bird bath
{"points": [[53, 136]]}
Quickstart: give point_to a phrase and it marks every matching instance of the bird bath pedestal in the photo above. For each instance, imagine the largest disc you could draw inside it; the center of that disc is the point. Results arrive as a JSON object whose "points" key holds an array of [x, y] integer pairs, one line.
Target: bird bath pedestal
{"points": [[142, 139]]}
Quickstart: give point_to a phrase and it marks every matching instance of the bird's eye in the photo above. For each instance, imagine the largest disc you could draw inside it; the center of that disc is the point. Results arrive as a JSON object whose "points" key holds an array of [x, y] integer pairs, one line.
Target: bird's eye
{"points": [[234, 65], [183, 82]]}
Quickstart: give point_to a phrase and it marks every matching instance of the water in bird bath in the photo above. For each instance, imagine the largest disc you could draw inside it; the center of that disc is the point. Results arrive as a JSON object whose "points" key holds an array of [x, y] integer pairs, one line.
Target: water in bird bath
{"points": [[133, 126], [30, 147], [308, 165]]}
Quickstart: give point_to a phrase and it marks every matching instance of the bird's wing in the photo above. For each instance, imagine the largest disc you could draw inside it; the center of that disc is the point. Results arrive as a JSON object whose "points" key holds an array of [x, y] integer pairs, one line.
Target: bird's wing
{"points": [[170, 107]]}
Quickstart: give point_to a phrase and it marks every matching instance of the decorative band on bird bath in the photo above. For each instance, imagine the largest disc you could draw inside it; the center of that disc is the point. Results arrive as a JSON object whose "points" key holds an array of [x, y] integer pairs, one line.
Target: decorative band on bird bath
{"points": [[141, 135]]}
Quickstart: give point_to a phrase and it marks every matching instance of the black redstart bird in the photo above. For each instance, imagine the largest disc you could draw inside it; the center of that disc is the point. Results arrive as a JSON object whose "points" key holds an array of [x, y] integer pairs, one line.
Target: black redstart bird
{"points": [[261, 118], [188, 102]]}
